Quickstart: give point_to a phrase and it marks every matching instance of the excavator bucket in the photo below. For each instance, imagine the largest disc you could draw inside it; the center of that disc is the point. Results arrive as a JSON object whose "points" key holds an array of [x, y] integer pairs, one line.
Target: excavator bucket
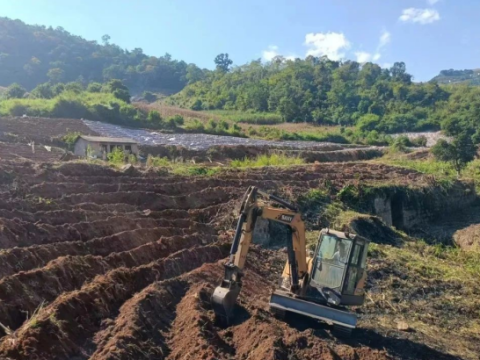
{"points": [[223, 302], [281, 301]]}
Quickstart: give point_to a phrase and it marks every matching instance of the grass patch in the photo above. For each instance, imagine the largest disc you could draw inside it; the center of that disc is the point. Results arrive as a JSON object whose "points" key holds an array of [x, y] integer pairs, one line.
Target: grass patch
{"points": [[180, 168], [441, 170], [249, 117], [267, 160], [321, 135]]}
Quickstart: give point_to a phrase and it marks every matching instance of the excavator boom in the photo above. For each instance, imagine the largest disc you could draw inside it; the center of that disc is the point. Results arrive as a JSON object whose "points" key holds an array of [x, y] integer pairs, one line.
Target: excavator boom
{"points": [[225, 296]]}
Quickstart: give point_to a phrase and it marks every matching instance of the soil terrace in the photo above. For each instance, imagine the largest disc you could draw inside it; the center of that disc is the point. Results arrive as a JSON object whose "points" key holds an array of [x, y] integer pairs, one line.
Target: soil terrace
{"points": [[97, 263]]}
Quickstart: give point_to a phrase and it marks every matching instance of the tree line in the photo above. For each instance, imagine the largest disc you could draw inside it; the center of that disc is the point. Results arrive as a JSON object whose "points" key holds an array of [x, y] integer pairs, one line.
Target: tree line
{"points": [[34, 54]]}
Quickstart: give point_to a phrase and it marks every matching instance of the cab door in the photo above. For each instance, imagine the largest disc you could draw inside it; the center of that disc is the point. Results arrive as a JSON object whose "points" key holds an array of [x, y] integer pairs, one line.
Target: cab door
{"points": [[355, 273]]}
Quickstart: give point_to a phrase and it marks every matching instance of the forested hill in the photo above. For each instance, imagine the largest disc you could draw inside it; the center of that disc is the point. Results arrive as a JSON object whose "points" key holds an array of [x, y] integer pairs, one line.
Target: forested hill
{"points": [[322, 91], [451, 76], [33, 54]]}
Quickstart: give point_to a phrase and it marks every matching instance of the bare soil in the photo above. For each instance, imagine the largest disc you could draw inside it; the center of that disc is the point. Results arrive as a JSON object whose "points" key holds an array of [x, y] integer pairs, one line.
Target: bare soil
{"points": [[100, 264]]}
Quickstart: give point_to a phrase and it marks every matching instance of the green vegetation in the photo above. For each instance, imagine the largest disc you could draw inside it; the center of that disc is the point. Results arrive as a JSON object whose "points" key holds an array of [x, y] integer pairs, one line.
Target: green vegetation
{"points": [[267, 160], [70, 138], [116, 157], [441, 169], [249, 117], [221, 127], [55, 55], [181, 168], [459, 152], [320, 91], [451, 76]]}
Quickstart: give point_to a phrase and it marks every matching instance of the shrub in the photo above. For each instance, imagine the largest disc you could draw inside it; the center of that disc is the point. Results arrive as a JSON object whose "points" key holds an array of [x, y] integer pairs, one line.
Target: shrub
{"points": [[420, 141], [42, 91], [179, 120], [94, 87], [211, 125], [14, 91], [70, 138], [195, 125], [116, 157], [154, 161], [18, 109], [197, 105], [69, 108], [400, 144], [149, 96], [154, 117]]}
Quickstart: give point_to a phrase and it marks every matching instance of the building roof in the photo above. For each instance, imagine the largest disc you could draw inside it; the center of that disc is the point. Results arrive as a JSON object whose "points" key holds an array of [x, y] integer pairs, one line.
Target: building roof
{"points": [[104, 139]]}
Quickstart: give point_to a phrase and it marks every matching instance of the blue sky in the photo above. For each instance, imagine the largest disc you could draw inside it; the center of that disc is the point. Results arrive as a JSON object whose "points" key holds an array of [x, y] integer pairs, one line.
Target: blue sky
{"points": [[429, 35]]}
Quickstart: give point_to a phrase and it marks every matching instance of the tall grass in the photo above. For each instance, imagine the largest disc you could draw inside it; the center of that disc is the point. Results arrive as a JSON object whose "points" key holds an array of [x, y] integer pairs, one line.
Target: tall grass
{"points": [[267, 160]]}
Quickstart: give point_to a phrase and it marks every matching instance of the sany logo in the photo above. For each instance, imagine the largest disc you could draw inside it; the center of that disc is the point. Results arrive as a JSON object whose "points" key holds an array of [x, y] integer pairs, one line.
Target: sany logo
{"points": [[286, 218]]}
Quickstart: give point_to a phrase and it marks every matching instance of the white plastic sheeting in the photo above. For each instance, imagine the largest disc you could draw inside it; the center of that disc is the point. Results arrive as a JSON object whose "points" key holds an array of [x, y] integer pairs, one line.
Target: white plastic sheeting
{"points": [[197, 141]]}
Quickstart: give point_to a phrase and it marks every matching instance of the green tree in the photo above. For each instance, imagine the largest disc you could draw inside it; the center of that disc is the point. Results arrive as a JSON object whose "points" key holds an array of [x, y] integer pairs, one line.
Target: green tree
{"points": [[43, 91], [223, 62], [15, 91], [74, 86], [459, 152], [106, 39], [368, 122], [119, 90], [94, 87], [288, 109], [55, 75], [194, 73], [154, 117]]}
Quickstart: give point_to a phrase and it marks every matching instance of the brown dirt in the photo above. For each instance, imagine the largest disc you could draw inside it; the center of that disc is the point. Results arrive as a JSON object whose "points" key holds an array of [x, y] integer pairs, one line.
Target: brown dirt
{"points": [[41, 130], [100, 264]]}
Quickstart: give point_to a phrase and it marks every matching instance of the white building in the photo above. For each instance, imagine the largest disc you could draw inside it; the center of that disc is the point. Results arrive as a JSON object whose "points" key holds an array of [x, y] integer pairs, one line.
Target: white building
{"points": [[99, 146]]}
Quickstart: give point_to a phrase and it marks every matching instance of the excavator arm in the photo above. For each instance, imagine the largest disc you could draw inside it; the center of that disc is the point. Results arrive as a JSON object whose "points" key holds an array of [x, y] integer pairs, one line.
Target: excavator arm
{"points": [[225, 296]]}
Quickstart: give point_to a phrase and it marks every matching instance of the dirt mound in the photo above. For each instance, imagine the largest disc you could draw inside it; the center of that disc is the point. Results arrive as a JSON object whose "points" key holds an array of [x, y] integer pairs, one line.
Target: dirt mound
{"points": [[468, 238], [376, 230], [97, 263]]}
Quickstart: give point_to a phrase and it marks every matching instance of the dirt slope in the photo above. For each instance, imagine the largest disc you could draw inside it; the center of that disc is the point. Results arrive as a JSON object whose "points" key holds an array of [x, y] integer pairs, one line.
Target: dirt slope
{"points": [[100, 264]]}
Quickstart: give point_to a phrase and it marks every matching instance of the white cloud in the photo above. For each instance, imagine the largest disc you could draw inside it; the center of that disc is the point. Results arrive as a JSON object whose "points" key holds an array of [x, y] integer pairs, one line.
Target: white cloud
{"points": [[432, 2], [330, 44], [385, 39], [270, 53], [363, 57], [421, 16], [377, 56], [291, 57]]}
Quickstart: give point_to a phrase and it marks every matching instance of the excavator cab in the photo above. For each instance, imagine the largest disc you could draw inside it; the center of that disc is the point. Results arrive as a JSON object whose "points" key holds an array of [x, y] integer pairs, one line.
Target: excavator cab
{"points": [[338, 268], [337, 276]]}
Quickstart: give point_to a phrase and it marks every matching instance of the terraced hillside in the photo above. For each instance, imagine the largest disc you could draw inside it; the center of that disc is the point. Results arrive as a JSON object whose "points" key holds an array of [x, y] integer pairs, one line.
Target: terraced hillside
{"points": [[102, 264]]}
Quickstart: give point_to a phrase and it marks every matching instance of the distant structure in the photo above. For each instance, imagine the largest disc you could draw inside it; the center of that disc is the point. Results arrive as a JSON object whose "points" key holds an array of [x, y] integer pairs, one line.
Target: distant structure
{"points": [[99, 146]]}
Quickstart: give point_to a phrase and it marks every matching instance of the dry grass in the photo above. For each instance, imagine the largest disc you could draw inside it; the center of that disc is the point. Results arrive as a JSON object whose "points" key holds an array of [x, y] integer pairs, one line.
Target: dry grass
{"points": [[169, 111], [433, 289]]}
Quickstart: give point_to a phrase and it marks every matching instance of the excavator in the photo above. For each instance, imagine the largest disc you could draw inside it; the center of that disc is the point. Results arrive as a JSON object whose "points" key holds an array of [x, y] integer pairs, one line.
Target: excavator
{"points": [[319, 285]]}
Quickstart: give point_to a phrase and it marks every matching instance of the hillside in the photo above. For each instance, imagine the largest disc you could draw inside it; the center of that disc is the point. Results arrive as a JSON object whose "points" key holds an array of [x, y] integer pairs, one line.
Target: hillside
{"points": [[471, 77], [34, 54], [325, 92]]}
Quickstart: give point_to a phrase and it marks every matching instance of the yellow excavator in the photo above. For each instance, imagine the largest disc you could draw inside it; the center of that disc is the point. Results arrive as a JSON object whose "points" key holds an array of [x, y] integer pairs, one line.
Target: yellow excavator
{"points": [[319, 286]]}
